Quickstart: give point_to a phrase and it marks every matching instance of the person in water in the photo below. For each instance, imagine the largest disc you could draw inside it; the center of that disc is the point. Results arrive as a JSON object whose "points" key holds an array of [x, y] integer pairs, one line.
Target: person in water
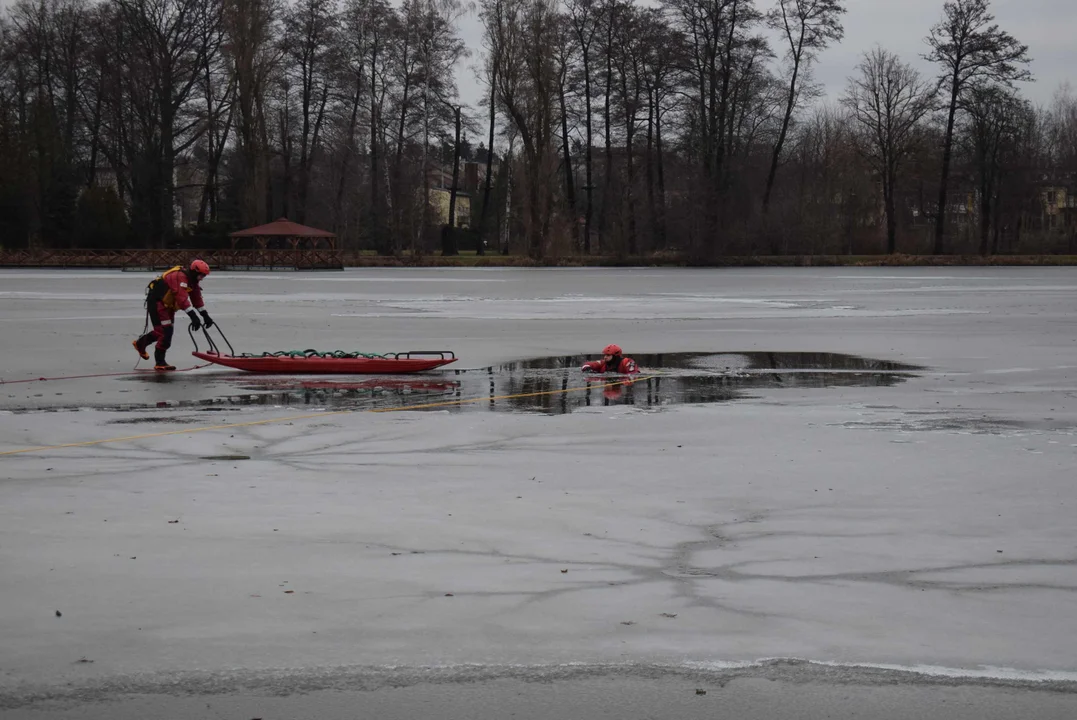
{"points": [[613, 361]]}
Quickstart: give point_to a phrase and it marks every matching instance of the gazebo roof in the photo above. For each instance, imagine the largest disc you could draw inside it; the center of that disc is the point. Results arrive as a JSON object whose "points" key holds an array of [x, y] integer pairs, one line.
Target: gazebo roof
{"points": [[282, 227]]}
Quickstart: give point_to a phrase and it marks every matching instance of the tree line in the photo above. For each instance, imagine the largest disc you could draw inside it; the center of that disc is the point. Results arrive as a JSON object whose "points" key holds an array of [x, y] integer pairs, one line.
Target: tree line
{"points": [[689, 126]]}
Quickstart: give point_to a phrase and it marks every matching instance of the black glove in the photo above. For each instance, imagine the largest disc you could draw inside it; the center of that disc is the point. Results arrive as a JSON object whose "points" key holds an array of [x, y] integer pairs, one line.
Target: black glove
{"points": [[206, 319], [196, 324]]}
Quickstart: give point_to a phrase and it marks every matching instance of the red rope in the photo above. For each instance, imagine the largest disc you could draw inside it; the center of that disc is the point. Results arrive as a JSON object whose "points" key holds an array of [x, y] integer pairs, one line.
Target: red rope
{"points": [[81, 377]]}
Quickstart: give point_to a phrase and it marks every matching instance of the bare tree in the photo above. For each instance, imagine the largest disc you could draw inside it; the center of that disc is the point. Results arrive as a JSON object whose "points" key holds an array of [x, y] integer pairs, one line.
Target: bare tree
{"points": [[826, 167], [807, 27], [565, 56], [663, 48], [492, 17], [718, 58], [736, 20], [628, 52], [425, 51], [93, 91], [218, 86], [612, 12], [1060, 139], [756, 100], [586, 21], [161, 60], [50, 39], [310, 49], [366, 31], [994, 118], [438, 50], [251, 30], [968, 47], [887, 100], [114, 114], [523, 36], [1062, 118]]}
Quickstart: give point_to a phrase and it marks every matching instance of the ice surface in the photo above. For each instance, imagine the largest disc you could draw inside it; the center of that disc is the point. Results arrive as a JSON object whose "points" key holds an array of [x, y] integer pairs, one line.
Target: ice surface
{"points": [[925, 524]]}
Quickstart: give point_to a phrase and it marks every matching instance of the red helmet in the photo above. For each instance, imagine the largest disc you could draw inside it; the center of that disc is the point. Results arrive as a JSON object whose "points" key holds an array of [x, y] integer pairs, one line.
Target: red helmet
{"points": [[200, 267], [611, 350]]}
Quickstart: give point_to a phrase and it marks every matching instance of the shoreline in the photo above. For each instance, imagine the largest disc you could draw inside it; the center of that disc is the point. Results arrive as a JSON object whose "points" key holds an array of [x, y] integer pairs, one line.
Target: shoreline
{"points": [[471, 260], [670, 260]]}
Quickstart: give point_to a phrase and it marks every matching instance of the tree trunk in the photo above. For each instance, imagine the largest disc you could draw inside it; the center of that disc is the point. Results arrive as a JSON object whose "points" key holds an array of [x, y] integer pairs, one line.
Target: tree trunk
{"points": [[630, 205], [483, 230], [947, 151], [382, 244], [723, 98], [503, 237], [889, 179], [448, 246], [534, 245], [651, 210], [168, 162], [996, 226], [207, 187], [95, 137], [631, 105], [789, 104], [590, 187], [535, 237], [609, 147], [286, 158], [420, 239], [306, 99], [661, 171], [305, 165], [398, 165], [266, 203], [216, 145], [712, 141], [570, 190], [209, 191], [252, 195], [345, 162]]}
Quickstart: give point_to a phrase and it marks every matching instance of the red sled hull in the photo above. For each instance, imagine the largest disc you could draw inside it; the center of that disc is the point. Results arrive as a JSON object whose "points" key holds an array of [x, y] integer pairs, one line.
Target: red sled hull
{"points": [[327, 365]]}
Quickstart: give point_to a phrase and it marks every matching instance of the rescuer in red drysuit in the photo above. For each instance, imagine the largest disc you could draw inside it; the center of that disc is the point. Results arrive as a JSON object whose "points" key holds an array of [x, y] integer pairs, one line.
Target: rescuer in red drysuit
{"points": [[176, 289], [612, 362]]}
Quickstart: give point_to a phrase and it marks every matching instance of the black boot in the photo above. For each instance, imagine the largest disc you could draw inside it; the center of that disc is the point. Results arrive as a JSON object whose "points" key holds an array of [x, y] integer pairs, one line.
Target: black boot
{"points": [[159, 357]]}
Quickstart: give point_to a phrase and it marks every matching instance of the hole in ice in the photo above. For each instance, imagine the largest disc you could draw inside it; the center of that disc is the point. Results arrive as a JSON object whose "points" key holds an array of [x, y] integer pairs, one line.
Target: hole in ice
{"points": [[556, 384]]}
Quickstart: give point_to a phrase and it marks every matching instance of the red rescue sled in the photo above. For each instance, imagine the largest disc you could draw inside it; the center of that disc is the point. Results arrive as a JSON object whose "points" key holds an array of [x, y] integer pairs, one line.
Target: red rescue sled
{"points": [[314, 363]]}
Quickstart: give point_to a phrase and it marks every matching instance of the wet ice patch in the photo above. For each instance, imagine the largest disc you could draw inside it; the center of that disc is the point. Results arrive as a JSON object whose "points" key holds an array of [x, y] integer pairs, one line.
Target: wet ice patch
{"points": [[914, 422], [154, 419], [548, 385]]}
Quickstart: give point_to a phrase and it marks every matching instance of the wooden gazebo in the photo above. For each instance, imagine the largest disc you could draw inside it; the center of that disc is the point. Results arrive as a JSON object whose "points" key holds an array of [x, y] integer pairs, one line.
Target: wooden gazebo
{"points": [[283, 243]]}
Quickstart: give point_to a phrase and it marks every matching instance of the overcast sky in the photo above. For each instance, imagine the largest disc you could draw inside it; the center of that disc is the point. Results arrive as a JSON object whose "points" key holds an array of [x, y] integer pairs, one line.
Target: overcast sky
{"points": [[1048, 27]]}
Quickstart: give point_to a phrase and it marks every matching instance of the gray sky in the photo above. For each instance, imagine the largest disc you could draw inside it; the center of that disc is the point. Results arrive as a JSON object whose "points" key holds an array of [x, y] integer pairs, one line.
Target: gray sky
{"points": [[1048, 27]]}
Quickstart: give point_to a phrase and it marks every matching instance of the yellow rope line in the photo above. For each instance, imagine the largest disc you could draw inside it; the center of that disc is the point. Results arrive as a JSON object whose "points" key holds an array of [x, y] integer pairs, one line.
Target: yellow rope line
{"points": [[446, 403]]}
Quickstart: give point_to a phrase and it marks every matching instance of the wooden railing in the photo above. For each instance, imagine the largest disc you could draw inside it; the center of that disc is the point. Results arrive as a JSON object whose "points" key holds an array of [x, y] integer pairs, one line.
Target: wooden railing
{"points": [[256, 259]]}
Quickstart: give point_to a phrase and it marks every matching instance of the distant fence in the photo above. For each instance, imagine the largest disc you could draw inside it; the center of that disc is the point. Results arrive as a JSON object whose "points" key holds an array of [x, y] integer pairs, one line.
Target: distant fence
{"points": [[257, 259]]}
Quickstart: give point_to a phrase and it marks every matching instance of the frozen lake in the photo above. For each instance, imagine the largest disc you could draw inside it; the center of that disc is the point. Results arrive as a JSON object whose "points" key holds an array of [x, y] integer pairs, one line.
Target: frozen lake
{"points": [[858, 477]]}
